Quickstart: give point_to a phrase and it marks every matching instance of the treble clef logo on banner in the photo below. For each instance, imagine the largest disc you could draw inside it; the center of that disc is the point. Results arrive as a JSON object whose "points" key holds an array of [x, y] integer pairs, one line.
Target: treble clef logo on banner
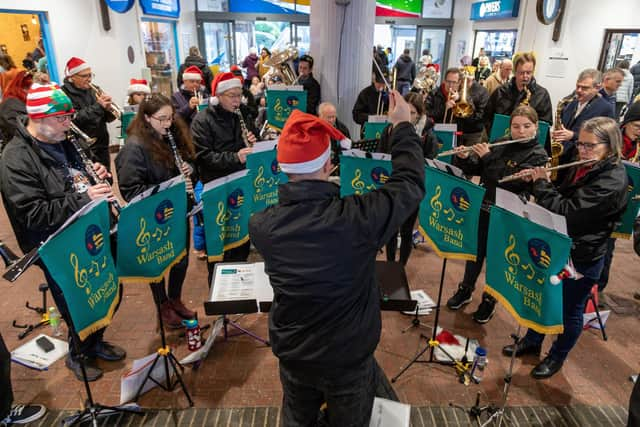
{"points": [[357, 183], [144, 237], [511, 256], [435, 202], [259, 182], [80, 274]]}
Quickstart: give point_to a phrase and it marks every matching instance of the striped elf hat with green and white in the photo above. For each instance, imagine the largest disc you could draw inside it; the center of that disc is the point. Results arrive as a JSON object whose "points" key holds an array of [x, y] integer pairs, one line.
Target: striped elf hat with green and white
{"points": [[47, 100]]}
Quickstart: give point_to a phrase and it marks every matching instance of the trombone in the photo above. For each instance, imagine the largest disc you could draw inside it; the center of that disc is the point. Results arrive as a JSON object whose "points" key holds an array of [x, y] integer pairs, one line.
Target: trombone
{"points": [[495, 144], [113, 109], [520, 175]]}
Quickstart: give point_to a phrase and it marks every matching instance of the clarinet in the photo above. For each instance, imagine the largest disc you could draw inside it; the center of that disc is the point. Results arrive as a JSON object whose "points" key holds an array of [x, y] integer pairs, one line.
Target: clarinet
{"points": [[178, 161], [88, 168], [243, 127]]}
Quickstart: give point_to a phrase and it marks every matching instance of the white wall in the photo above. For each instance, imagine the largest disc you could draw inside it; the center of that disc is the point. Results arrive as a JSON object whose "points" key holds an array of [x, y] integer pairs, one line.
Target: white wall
{"points": [[581, 38]]}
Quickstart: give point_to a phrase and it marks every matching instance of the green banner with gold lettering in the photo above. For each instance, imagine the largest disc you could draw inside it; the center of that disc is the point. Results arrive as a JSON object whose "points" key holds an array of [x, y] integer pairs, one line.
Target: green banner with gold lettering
{"points": [[280, 104], [449, 214], [373, 130], [625, 229], [359, 175], [445, 140], [79, 259], [266, 176], [152, 233], [226, 210], [521, 257]]}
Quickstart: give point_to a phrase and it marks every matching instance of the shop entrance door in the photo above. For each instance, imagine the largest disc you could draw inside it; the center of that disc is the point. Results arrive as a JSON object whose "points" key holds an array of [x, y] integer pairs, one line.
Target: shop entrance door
{"points": [[218, 44]]}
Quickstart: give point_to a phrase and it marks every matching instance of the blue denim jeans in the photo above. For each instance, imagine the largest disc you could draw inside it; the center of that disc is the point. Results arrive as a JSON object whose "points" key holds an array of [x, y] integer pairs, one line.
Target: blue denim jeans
{"points": [[349, 395], [574, 298]]}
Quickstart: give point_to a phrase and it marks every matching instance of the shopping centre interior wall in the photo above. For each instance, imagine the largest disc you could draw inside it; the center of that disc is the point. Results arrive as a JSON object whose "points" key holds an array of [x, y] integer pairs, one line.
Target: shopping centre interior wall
{"points": [[580, 42]]}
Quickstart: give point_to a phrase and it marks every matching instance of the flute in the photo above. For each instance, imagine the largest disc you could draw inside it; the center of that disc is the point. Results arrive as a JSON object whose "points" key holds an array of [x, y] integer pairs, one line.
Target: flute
{"points": [[520, 175], [495, 144]]}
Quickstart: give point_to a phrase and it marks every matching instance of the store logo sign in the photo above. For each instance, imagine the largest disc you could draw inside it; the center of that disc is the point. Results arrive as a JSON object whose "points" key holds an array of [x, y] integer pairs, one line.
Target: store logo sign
{"points": [[495, 9]]}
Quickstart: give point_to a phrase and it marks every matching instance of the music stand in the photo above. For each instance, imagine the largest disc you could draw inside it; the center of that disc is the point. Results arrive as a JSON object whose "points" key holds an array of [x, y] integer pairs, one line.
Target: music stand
{"points": [[368, 145], [168, 359], [92, 410]]}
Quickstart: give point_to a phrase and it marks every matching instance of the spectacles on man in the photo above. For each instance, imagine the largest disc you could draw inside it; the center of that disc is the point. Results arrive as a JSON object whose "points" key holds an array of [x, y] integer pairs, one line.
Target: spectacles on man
{"points": [[588, 146], [86, 76], [62, 119]]}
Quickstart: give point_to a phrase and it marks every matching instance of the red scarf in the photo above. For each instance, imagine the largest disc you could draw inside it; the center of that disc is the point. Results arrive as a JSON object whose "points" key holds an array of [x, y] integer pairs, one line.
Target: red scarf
{"points": [[629, 147], [581, 172]]}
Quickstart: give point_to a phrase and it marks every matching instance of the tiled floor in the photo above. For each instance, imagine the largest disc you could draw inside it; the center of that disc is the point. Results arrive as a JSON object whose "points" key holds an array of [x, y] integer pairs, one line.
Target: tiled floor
{"points": [[244, 373]]}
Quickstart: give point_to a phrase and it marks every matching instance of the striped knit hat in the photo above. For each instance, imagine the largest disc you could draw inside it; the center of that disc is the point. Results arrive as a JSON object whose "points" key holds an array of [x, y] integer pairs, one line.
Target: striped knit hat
{"points": [[47, 101]]}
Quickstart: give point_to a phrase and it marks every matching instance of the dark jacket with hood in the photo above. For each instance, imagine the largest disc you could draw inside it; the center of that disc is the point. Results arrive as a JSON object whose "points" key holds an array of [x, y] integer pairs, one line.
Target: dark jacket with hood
{"points": [[199, 62], [506, 98], [217, 137], [406, 69], [312, 87], [92, 119], [320, 250], [592, 206], [36, 191]]}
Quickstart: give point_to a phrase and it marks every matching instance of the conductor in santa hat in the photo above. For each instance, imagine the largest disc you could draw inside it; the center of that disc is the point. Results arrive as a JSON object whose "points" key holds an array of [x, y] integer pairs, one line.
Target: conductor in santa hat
{"points": [[319, 251], [221, 144]]}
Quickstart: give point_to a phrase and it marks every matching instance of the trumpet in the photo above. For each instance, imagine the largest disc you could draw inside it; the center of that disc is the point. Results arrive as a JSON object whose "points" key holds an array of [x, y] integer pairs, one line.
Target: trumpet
{"points": [[113, 109], [520, 175], [495, 144]]}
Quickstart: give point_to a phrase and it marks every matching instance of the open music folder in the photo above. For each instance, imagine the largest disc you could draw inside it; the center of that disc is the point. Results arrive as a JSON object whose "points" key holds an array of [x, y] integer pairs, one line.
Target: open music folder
{"points": [[239, 288]]}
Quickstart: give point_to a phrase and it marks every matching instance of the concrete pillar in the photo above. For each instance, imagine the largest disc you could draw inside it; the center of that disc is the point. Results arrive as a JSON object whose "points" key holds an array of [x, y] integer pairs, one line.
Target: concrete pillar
{"points": [[344, 72]]}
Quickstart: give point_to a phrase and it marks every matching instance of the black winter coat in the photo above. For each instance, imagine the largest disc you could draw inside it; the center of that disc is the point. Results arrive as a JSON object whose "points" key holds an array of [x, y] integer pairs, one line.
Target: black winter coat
{"points": [[10, 111], [319, 251], [312, 87], [502, 161], [217, 137], [592, 206], [506, 98], [477, 96], [367, 103], [92, 119], [199, 62], [137, 169], [636, 235], [37, 197], [428, 141]]}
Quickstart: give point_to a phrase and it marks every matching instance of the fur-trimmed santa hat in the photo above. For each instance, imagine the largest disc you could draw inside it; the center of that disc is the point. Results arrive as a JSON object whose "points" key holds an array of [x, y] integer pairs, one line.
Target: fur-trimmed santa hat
{"points": [[192, 73], [222, 83], [74, 66], [138, 86], [305, 143]]}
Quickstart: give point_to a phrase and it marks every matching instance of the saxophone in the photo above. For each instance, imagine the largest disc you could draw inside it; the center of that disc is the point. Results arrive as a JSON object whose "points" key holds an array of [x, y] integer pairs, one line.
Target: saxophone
{"points": [[243, 128], [527, 96], [556, 146]]}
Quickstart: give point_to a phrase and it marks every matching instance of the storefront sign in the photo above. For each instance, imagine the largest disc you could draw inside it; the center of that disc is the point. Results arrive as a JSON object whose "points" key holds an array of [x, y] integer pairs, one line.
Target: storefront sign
{"points": [[494, 9], [166, 8], [120, 6]]}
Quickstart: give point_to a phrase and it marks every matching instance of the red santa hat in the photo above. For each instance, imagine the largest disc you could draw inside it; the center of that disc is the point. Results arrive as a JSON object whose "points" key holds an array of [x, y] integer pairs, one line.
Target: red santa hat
{"points": [[305, 143], [192, 73], [47, 101], [138, 86], [222, 83], [74, 66]]}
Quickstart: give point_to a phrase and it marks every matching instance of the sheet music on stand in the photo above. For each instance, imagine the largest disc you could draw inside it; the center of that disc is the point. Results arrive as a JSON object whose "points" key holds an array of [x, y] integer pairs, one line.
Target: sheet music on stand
{"points": [[531, 211], [239, 288], [366, 154], [156, 188], [445, 167]]}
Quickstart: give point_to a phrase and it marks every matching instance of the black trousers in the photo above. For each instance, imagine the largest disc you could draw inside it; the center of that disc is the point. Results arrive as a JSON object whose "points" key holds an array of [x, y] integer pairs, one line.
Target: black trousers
{"points": [[634, 406], [239, 254], [348, 394], [406, 241], [472, 269], [6, 392], [608, 258], [176, 278]]}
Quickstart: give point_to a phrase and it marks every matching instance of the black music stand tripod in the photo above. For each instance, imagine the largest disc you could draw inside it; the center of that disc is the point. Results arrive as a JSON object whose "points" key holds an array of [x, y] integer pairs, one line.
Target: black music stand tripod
{"points": [[92, 410], [168, 359]]}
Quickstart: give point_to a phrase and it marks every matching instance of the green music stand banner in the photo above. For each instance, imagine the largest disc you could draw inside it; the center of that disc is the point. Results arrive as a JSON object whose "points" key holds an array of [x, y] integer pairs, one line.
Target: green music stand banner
{"points": [[78, 257], [226, 211], [127, 118], [373, 130], [521, 257], [446, 141], [280, 104], [625, 229], [266, 175], [152, 233], [449, 214], [359, 174], [501, 128]]}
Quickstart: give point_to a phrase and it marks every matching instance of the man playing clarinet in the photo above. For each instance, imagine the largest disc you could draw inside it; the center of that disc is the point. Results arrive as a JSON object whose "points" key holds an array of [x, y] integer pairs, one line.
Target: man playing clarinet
{"points": [[43, 183]]}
